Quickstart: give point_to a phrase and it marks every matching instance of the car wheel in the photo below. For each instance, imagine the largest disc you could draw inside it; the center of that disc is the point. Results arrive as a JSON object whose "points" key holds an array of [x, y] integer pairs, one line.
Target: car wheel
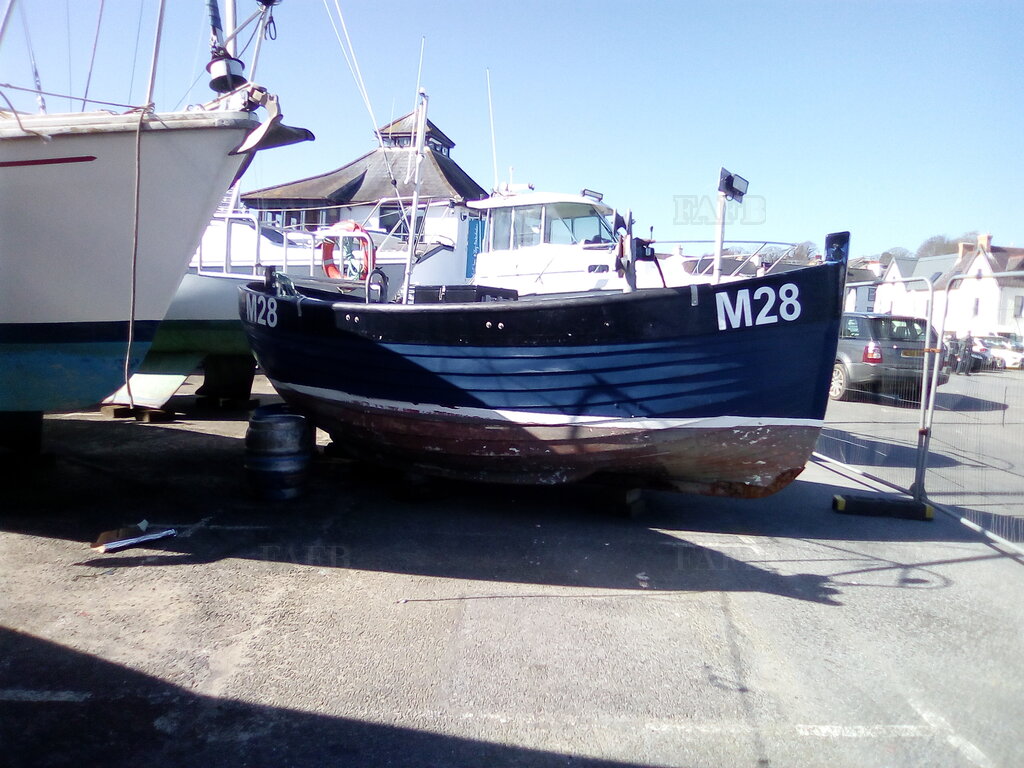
{"points": [[839, 389]]}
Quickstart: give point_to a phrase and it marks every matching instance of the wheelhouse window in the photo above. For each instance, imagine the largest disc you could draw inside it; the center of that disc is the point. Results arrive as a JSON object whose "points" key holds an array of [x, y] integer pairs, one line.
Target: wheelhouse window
{"points": [[525, 226], [571, 223], [501, 228]]}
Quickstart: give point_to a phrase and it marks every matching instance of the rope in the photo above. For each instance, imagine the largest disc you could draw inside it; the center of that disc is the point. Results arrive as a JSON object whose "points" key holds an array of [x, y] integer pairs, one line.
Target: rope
{"points": [[14, 113], [135, 258]]}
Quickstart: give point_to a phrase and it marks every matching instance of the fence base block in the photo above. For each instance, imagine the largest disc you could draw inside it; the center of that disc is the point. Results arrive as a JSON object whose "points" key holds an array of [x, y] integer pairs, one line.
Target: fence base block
{"points": [[881, 506]]}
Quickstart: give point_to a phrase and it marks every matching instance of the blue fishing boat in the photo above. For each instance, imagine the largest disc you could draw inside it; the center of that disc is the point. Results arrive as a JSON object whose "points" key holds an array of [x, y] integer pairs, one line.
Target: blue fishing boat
{"points": [[717, 389]]}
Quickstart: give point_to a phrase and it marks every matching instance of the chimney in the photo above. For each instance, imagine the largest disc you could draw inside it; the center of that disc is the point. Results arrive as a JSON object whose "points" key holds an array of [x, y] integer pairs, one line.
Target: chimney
{"points": [[961, 247], [985, 243]]}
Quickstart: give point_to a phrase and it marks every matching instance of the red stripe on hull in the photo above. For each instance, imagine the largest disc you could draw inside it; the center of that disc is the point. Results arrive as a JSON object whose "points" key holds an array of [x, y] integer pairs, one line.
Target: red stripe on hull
{"points": [[48, 161], [748, 462]]}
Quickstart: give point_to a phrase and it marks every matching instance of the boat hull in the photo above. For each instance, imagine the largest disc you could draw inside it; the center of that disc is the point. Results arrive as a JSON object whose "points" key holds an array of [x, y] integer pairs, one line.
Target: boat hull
{"points": [[716, 457], [74, 288], [672, 388]]}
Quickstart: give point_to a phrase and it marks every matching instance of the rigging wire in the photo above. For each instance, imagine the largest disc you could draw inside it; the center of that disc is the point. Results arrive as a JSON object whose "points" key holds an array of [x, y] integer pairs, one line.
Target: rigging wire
{"points": [[5, 18], [415, 105], [92, 58], [32, 61], [135, 55], [200, 46], [353, 67], [69, 96], [67, 36]]}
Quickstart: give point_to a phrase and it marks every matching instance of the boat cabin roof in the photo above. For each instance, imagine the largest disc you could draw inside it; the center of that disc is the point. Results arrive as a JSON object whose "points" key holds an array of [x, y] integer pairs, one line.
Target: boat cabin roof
{"points": [[536, 198]]}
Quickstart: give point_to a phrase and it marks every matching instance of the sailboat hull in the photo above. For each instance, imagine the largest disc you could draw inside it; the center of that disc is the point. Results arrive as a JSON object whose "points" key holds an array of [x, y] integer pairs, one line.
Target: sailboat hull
{"points": [[84, 281]]}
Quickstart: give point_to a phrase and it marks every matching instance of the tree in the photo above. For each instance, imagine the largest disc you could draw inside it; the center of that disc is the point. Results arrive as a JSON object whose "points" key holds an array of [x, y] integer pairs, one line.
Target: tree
{"points": [[899, 252], [804, 251], [936, 245]]}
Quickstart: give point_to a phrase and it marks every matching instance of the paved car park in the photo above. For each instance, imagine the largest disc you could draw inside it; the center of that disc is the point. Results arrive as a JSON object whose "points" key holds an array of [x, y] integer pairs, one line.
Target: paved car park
{"points": [[375, 623]]}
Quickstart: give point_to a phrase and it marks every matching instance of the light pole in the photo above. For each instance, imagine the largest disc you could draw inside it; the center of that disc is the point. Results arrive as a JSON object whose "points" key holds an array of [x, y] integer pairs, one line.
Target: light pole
{"points": [[730, 187]]}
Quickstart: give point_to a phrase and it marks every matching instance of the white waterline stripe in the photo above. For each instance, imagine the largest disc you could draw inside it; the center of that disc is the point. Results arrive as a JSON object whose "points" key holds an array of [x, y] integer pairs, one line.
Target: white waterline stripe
{"points": [[531, 418]]}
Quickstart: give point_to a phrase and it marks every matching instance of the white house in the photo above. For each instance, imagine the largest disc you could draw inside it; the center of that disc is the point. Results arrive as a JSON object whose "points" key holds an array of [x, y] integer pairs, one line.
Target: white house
{"points": [[981, 303]]}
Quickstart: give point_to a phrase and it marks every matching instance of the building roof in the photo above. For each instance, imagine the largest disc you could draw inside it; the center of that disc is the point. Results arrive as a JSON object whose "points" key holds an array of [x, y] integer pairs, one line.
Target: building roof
{"points": [[943, 268], [933, 268], [860, 275], [406, 126], [903, 265], [368, 180]]}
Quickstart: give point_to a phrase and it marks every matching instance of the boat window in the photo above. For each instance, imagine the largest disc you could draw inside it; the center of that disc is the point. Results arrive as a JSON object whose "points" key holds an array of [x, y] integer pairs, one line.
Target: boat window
{"points": [[501, 228], [570, 223], [526, 226]]}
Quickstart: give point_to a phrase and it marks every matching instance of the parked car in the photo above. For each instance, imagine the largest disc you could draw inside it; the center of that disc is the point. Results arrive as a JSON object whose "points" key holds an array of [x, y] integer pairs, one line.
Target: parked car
{"points": [[882, 351], [981, 357], [1001, 350]]}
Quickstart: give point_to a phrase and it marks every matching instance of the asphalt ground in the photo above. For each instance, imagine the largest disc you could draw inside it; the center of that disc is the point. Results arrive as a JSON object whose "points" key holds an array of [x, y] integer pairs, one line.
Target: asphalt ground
{"points": [[373, 622]]}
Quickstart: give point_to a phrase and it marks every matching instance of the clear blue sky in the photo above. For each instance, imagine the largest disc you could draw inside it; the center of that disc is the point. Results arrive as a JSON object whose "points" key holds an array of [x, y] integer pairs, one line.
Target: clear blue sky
{"points": [[897, 119]]}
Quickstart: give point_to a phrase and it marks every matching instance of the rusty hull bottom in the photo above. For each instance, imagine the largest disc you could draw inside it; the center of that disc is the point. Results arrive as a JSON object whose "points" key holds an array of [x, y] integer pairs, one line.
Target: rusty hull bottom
{"points": [[747, 461]]}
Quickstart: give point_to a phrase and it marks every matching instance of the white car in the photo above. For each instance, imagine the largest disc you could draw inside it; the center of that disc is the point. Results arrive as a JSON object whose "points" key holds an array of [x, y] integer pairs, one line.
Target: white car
{"points": [[1001, 351]]}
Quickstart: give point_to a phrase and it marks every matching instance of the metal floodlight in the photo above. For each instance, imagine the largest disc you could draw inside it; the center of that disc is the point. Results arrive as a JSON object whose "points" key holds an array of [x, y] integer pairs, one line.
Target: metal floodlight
{"points": [[597, 196], [732, 185]]}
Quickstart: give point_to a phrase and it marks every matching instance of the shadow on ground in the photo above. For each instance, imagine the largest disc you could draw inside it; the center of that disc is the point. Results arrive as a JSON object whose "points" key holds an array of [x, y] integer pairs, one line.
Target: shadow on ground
{"points": [[862, 451], [106, 714], [106, 475]]}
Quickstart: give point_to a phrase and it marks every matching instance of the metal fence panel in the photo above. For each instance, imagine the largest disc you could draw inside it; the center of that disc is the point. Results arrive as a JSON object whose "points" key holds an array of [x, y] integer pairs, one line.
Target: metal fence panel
{"points": [[974, 463]]}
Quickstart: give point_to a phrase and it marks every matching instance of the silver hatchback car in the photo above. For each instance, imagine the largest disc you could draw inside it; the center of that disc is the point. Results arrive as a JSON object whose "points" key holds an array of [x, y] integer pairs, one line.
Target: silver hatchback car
{"points": [[882, 351]]}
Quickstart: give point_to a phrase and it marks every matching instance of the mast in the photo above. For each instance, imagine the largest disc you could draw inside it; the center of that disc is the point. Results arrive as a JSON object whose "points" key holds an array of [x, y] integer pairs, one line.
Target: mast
{"points": [[421, 129]]}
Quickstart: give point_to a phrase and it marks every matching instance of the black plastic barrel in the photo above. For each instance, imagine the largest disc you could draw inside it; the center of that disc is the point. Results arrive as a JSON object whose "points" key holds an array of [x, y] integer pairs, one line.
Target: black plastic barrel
{"points": [[278, 451]]}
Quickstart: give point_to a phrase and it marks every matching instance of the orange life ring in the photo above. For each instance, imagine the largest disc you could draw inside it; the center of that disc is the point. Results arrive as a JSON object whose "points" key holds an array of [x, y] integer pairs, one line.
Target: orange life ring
{"points": [[349, 262]]}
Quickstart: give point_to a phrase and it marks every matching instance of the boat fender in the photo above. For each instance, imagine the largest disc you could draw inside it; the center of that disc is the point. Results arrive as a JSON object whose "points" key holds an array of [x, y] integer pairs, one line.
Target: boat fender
{"points": [[348, 259]]}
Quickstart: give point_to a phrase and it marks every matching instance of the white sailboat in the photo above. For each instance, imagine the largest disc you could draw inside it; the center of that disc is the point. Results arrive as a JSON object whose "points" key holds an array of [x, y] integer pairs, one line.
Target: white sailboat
{"points": [[102, 211]]}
